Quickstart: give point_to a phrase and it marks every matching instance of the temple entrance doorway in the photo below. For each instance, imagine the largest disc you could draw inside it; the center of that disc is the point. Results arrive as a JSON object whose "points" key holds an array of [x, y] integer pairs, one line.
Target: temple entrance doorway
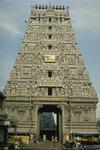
{"points": [[50, 123]]}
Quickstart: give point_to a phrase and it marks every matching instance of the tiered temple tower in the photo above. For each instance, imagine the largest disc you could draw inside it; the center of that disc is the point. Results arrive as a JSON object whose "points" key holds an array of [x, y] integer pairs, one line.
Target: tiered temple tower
{"points": [[49, 75]]}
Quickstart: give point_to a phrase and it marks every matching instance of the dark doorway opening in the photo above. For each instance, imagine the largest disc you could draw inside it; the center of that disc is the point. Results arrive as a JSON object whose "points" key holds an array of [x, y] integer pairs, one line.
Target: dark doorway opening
{"points": [[49, 74], [50, 122], [49, 90]]}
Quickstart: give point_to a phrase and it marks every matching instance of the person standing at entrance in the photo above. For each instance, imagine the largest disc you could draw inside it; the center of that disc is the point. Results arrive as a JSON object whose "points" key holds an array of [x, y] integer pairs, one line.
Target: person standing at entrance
{"points": [[44, 137], [20, 143]]}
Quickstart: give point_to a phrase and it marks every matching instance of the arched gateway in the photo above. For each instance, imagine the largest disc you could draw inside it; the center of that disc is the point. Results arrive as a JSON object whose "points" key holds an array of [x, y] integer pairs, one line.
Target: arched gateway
{"points": [[49, 90]]}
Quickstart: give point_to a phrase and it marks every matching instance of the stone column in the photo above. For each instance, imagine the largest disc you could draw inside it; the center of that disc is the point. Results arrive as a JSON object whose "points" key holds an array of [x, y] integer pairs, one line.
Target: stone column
{"points": [[61, 121], [60, 125], [38, 119]]}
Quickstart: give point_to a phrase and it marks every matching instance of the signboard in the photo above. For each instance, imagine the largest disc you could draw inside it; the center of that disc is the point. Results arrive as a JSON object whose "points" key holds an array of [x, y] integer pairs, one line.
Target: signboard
{"points": [[49, 58]]}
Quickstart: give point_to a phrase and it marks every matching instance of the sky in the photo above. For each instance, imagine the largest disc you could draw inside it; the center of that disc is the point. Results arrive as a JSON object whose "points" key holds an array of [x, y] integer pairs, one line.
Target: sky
{"points": [[85, 16]]}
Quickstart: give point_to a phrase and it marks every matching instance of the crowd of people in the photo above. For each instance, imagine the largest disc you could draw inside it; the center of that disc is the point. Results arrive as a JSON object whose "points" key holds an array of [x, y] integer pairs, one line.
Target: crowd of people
{"points": [[72, 144], [16, 145]]}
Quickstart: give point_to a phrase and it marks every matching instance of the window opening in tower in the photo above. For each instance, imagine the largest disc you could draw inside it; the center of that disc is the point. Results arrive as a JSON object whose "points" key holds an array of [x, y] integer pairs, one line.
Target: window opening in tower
{"points": [[50, 28], [50, 36], [49, 46], [49, 74], [50, 20], [49, 90]]}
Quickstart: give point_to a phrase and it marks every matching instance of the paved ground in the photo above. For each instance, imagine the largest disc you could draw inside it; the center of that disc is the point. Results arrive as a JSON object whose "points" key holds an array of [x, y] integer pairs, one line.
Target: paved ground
{"points": [[43, 146], [40, 146]]}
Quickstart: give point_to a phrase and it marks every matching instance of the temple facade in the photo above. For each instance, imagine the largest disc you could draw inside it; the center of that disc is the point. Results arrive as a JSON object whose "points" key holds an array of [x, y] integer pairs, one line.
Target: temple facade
{"points": [[49, 76]]}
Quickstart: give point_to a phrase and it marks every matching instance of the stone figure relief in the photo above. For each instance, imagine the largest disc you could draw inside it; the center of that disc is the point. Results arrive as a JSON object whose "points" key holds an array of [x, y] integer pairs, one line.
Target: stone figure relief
{"points": [[67, 28], [81, 70], [34, 72], [57, 73], [31, 48], [77, 116], [72, 73], [9, 89], [86, 117], [39, 73], [61, 58], [85, 89], [38, 58], [68, 47], [59, 37], [66, 91], [23, 58], [69, 59], [13, 88], [30, 88], [28, 58], [41, 91], [56, 92], [63, 92], [68, 37], [22, 109], [26, 72], [35, 59], [74, 47], [72, 59]]}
